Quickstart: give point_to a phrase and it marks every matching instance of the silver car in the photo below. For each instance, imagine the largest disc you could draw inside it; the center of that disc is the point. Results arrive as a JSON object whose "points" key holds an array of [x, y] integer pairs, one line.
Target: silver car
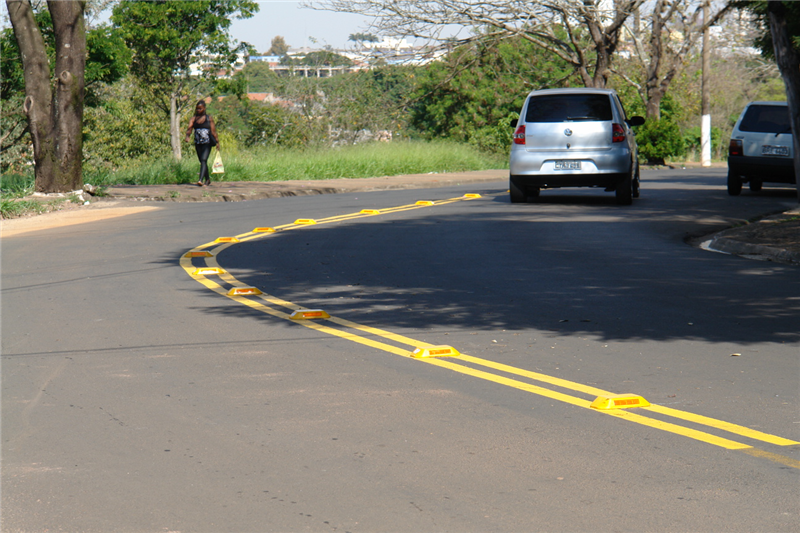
{"points": [[761, 147], [574, 138]]}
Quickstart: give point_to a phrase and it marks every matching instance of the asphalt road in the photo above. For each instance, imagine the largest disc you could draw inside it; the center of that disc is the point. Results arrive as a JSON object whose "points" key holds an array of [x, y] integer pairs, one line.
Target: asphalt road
{"points": [[136, 399]]}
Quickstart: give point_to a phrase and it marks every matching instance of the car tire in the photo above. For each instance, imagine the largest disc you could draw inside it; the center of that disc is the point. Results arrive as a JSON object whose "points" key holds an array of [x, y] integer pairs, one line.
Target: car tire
{"points": [[734, 183], [635, 191], [625, 191], [755, 185], [517, 191]]}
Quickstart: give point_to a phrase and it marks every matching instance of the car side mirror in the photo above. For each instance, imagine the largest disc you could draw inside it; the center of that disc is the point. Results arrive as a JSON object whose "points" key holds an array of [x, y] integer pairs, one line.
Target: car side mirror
{"points": [[514, 122], [636, 121]]}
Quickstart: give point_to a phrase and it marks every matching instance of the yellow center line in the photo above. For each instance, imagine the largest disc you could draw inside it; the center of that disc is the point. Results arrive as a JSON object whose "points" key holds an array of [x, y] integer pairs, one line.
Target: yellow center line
{"points": [[454, 365]]}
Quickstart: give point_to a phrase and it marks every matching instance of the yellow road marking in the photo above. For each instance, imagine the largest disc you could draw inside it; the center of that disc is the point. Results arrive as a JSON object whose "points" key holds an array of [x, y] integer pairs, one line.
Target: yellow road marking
{"points": [[187, 265]]}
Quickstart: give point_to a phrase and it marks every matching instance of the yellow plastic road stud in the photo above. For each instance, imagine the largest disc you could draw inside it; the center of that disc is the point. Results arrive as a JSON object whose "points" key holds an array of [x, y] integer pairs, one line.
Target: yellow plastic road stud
{"points": [[309, 314], [207, 271], [198, 253], [244, 291], [370, 212], [264, 230], [305, 221], [435, 351], [619, 401], [472, 195], [424, 202], [226, 239]]}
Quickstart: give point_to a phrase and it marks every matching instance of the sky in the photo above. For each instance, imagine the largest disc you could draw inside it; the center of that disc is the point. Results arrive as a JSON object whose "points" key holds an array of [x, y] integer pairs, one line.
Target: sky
{"points": [[297, 26]]}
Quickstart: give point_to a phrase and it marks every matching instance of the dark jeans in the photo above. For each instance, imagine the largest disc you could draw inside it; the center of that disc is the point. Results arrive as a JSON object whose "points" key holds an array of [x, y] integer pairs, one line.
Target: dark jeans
{"points": [[203, 152]]}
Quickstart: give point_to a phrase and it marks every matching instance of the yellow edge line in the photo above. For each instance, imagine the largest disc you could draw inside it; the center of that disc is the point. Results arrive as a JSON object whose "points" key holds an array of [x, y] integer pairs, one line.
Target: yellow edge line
{"points": [[720, 424], [186, 263]]}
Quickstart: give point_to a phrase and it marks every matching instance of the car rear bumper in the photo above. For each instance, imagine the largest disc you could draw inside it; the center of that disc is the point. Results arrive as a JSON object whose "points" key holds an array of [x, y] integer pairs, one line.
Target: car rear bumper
{"points": [[765, 169], [598, 168]]}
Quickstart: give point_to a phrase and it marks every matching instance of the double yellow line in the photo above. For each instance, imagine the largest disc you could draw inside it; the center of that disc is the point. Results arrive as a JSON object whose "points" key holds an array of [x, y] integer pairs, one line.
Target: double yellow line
{"points": [[466, 364]]}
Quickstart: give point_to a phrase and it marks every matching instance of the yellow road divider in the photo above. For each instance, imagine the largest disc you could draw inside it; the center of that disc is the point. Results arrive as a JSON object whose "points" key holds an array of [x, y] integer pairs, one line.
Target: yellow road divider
{"points": [[621, 406]]}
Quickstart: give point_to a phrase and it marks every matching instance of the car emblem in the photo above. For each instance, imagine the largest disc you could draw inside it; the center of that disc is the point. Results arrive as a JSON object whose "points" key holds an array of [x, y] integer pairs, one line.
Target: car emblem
{"points": [[567, 132]]}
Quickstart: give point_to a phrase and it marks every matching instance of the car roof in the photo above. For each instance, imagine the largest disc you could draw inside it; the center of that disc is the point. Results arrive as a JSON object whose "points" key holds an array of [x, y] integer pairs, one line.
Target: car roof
{"points": [[572, 90]]}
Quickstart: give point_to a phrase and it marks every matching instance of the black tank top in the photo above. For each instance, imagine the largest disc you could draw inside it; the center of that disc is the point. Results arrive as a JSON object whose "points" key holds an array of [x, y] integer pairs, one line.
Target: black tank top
{"points": [[202, 132]]}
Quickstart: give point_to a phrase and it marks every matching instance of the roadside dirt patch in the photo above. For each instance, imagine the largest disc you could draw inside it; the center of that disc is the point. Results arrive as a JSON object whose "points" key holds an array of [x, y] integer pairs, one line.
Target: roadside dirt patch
{"points": [[69, 217]]}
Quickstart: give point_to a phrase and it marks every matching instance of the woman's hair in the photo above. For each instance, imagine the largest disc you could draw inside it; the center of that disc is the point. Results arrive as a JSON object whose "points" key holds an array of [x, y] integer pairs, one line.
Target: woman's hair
{"points": [[200, 102]]}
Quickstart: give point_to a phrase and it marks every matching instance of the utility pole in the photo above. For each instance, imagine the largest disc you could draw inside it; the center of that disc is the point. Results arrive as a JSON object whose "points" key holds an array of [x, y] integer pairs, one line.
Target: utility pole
{"points": [[705, 130]]}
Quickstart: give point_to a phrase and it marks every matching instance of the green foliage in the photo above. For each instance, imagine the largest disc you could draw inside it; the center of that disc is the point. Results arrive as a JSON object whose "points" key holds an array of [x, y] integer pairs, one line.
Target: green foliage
{"points": [[476, 88], [278, 47], [763, 40], [659, 140], [258, 77], [122, 131], [692, 140], [269, 124]]}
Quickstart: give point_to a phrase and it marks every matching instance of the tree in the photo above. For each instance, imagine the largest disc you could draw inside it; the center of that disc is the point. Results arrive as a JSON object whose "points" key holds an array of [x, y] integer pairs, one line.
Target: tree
{"points": [[675, 27], [584, 33], [278, 47], [780, 39], [167, 38], [55, 114]]}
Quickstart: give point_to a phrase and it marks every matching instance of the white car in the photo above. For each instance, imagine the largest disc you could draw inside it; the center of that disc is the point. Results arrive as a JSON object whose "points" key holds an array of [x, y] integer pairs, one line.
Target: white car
{"points": [[761, 148], [574, 138]]}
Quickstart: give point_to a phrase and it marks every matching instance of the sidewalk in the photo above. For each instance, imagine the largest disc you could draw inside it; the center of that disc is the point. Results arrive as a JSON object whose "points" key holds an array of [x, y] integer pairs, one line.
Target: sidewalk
{"points": [[254, 190]]}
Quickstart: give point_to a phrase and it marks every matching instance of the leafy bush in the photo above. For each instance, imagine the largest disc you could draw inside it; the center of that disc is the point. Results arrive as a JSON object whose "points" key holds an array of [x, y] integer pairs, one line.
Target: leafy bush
{"points": [[659, 140], [692, 140]]}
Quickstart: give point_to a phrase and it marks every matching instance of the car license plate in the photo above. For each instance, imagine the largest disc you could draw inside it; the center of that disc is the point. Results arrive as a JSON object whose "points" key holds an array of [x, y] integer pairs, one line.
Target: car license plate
{"points": [[568, 165], [774, 150]]}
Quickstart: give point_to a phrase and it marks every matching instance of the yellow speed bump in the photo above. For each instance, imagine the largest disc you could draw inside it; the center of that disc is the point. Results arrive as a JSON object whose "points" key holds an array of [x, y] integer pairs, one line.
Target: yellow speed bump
{"points": [[198, 253], [424, 202], [472, 195], [305, 221], [619, 401], [206, 271], [264, 230], [308, 314], [435, 351], [244, 291], [370, 212], [226, 239]]}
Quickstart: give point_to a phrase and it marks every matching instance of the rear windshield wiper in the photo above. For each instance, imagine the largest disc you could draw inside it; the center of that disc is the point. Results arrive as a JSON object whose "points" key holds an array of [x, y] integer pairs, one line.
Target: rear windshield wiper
{"points": [[787, 130]]}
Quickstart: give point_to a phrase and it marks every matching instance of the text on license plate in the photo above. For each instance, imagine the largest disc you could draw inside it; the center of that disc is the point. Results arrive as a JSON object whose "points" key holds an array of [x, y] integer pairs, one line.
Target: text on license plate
{"points": [[568, 165], [774, 150]]}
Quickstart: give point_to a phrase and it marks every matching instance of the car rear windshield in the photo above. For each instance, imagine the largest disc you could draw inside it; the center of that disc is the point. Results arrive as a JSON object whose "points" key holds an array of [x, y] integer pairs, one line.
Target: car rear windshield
{"points": [[568, 107], [766, 119]]}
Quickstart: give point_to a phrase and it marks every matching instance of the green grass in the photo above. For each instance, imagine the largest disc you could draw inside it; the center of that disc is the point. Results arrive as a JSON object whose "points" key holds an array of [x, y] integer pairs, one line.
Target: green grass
{"points": [[276, 164]]}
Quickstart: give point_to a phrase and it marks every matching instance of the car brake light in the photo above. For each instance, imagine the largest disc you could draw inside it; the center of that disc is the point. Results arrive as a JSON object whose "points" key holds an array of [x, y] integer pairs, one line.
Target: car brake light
{"points": [[735, 147], [519, 135], [617, 133]]}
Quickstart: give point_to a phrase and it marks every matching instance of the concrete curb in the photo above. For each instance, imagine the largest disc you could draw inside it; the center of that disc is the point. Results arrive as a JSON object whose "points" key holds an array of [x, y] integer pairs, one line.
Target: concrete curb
{"points": [[721, 243]]}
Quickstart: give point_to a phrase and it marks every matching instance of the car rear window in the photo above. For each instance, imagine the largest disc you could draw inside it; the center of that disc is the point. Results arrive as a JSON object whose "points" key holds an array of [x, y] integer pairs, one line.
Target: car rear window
{"points": [[766, 119], [568, 107]]}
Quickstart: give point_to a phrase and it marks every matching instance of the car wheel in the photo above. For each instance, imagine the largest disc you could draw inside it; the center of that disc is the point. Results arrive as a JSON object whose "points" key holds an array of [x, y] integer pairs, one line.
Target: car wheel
{"points": [[625, 191], [517, 192], [755, 185], [734, 183]]}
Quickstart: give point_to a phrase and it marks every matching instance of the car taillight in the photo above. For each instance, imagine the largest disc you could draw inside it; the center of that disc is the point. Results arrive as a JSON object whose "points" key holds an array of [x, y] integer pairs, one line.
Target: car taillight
{"points": [[617, 133], [735, 147], [519, 135]]}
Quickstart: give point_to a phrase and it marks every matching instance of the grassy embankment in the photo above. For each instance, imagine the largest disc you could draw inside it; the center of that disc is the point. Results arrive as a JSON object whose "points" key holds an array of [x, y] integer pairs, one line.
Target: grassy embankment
{"points": [[272, 164]]}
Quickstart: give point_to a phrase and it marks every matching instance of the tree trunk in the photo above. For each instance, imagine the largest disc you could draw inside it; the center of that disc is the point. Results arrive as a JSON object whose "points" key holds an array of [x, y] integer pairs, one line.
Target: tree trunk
{"points": [[788, 61], [56, 119], [175, 127]]}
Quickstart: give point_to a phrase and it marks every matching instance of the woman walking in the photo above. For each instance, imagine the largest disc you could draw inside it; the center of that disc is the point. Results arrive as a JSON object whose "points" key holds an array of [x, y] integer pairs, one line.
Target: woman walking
{"points": [[205, 137]]}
